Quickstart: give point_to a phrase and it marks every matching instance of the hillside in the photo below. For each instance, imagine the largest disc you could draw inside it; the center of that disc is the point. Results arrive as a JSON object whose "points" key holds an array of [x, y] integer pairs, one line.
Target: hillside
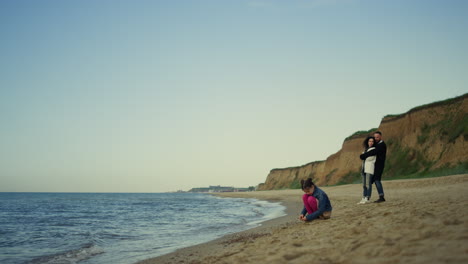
{"points": [[428, 140]]}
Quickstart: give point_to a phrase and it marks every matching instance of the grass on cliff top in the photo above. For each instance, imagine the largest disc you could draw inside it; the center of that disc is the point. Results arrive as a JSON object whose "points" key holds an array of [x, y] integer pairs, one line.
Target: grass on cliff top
{"points": [[360, 133], [437, 103]]}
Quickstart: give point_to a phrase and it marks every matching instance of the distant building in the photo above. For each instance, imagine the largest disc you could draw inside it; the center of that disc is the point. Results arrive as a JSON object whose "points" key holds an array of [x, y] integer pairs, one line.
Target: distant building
{"points": [[202, 190], [219, 188]]}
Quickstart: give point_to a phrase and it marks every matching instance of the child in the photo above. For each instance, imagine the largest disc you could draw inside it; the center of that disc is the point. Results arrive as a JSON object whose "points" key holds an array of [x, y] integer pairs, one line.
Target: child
{"points": [[316, 202]]}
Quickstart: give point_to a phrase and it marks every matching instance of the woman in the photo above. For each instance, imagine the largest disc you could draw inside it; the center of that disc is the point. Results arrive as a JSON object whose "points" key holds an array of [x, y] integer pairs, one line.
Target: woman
{"points": [[316, 202], [367, 170]]}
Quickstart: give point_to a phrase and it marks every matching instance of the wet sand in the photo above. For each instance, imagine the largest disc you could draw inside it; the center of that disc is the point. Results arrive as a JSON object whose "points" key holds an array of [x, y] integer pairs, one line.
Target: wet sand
{"points": [[422, 221]]}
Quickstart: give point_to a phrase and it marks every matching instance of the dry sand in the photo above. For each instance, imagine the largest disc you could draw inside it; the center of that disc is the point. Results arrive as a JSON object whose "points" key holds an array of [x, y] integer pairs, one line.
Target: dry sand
{"points": [[423, 221]]}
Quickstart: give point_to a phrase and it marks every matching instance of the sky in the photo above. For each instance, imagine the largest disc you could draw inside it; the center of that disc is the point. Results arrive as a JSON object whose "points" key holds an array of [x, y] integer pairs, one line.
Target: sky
{"points": [[157, 96]]}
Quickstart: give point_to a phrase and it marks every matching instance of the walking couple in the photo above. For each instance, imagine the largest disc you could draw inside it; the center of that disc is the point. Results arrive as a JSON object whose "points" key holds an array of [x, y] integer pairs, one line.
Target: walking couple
{"points": [[373, 163]]}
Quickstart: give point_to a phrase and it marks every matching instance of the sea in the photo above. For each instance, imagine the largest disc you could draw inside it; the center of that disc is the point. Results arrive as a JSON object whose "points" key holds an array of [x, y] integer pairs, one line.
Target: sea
{"points": [[118, 228]]}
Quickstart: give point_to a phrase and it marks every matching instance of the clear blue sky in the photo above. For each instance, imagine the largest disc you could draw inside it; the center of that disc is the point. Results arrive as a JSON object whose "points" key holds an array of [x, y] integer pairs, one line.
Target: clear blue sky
{"points": [[152, 96]]}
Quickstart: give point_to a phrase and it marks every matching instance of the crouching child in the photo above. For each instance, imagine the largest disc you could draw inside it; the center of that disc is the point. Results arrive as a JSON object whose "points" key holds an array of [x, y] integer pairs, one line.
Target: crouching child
{"points": [[316, 202]]}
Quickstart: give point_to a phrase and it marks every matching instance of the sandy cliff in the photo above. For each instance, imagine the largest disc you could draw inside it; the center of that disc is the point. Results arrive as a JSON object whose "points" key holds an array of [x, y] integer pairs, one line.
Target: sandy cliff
{"points": [[426, 139]]}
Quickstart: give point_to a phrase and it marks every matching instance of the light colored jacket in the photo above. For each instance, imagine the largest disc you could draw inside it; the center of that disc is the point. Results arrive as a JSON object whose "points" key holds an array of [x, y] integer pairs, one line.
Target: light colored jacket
{"points": [[369, 163]]}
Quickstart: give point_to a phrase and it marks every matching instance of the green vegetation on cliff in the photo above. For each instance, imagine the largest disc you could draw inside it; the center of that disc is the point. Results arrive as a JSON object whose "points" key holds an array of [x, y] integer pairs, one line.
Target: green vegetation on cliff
{"points": [[408, 163], [361, 133], [461, 168], [448, 101], [430, 144]]}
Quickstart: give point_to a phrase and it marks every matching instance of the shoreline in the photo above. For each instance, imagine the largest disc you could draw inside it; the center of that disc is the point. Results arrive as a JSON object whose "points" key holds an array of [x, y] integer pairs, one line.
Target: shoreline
{"points": [[189, 254], [423, 221]]}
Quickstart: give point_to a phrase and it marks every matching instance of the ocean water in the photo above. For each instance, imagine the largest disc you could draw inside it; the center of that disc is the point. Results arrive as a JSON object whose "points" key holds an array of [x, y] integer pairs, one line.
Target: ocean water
{"points": [[89, 228]]}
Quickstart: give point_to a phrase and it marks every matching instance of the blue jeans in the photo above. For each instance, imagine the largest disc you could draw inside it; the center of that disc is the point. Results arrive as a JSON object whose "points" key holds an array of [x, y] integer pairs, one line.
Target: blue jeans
{"points": [[379, 187], [366, 184]]}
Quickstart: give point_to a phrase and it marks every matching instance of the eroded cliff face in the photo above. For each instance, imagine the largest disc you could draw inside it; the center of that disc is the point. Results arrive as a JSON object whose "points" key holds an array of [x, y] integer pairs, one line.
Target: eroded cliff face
{"points": [[424, 139]]}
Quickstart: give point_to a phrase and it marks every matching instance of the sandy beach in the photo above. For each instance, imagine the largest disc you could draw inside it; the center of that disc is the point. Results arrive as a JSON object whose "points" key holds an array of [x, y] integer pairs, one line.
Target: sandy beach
{"points": [[423, 221]]}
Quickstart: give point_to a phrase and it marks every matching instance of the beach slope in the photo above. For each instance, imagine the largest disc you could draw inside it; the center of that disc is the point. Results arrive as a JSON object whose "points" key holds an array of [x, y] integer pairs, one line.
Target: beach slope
{"points": [[423, 221]]}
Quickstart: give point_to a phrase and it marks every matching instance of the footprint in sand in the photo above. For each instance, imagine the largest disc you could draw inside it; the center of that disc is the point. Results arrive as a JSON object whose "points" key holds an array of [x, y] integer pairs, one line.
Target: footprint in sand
{"points": [[452, 222], [290, 257]]}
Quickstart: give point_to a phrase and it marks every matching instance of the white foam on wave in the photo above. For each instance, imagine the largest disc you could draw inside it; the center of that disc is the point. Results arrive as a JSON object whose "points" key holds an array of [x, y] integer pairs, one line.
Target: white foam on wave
{"points": [[72, 256], [269, 210]]}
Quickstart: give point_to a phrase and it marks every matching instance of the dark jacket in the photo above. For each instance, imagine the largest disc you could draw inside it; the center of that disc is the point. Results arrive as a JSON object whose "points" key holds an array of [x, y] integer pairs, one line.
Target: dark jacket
{"points": [[381, 152], [324, 204]]}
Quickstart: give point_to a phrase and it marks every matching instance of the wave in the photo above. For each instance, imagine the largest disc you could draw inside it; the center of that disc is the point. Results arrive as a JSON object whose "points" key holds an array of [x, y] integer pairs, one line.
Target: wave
{"points": [[267, 212], [106, 228], [87, 251]]}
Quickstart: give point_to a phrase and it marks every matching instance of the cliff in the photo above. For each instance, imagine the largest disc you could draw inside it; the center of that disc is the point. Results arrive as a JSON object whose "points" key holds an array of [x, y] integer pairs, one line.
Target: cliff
{"points": [[426, 140]]}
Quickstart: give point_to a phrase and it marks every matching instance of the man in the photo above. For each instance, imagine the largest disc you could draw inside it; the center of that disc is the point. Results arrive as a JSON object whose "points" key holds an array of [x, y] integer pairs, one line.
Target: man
{"points": [[381, 152]]}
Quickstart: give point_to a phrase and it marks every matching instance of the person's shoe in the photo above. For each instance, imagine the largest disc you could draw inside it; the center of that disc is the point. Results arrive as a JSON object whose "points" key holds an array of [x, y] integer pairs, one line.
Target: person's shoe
{"points": [[381, 199], [362, 200]]}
